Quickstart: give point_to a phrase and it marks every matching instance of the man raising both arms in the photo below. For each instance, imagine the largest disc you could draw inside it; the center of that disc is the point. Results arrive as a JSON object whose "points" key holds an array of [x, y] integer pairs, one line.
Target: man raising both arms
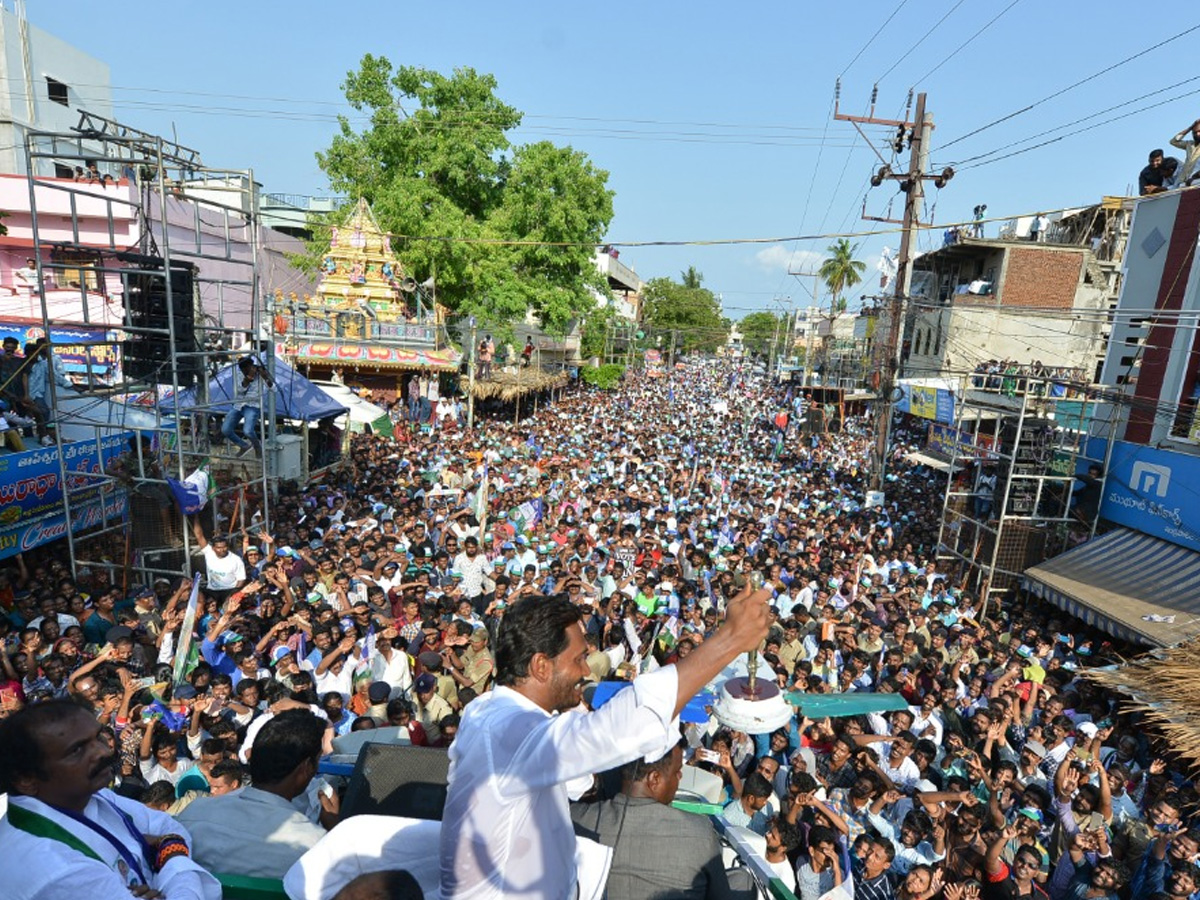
{"points": [[507, 828]]}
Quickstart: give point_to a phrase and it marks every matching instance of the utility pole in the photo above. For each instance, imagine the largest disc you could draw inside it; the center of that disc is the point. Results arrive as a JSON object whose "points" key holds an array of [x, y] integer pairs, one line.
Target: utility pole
{"points": [[809, 326], [912, 183], [471, 379]]}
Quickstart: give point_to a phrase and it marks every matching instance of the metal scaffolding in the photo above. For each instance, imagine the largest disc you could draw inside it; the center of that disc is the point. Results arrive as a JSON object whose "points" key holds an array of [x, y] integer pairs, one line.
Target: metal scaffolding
{"points": [[163, 255], [1030, 438]]}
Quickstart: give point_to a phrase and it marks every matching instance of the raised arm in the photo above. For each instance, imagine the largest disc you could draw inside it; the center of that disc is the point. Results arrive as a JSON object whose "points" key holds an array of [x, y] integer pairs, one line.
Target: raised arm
{"points": [[198, 533], [744, 628]]}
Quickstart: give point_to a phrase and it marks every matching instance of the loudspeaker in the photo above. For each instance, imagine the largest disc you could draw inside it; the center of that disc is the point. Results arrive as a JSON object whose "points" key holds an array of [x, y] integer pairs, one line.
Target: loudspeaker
{"points": [[394, 780], [147, 357]]}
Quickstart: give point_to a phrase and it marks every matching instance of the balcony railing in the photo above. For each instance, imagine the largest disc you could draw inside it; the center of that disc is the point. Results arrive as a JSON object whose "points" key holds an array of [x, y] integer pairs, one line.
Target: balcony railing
{"points": [[356, 328]]}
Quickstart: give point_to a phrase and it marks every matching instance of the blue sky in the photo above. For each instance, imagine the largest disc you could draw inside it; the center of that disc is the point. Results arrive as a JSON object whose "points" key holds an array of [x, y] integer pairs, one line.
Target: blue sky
{"points": [[712, 119]]}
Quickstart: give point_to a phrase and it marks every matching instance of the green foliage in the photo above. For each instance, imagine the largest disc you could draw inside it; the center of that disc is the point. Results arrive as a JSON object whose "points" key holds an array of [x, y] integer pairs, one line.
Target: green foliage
{"points": [[604, 377], [840, 271], [691, 277], [503, 229], [594, 332], [692, 312], [759, 330]]}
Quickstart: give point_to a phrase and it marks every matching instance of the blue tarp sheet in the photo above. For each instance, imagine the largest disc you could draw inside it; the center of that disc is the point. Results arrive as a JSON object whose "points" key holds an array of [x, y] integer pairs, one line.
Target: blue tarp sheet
{"points": [[295, 396]]}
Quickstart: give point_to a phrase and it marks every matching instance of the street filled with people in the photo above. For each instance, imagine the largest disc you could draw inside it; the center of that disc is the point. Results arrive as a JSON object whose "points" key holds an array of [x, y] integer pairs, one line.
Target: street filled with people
{"points": [[659, 516]]}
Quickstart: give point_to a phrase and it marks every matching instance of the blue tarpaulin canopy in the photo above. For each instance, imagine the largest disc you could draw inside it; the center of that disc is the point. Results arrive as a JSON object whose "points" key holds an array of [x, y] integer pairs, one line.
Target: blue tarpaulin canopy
{"points": [[295, 396]]}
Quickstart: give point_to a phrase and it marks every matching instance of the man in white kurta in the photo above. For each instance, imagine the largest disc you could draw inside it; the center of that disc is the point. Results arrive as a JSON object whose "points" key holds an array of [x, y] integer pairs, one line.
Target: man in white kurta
{"points": [[506, 831], [63, 836]]}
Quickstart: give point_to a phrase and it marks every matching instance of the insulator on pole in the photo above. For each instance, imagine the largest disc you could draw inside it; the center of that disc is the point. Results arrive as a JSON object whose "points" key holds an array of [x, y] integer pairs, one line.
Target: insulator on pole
{"points": [[874, 94], [837, 89]]}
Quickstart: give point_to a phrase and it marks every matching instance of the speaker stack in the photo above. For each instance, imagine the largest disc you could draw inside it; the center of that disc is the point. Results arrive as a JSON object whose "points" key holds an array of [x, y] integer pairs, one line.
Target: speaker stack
{"points": [[155, 322]]}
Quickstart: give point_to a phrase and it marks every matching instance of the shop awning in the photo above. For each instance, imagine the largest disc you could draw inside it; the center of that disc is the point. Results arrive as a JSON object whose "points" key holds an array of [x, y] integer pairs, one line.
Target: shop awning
{"points": [[934, 462], [1130, 585]]}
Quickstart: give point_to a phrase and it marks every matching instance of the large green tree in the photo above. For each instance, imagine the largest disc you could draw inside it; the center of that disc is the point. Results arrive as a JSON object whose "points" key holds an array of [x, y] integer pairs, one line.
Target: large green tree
{"points": [[693, 313], [502, 228], [840, 271], [759, 330]]}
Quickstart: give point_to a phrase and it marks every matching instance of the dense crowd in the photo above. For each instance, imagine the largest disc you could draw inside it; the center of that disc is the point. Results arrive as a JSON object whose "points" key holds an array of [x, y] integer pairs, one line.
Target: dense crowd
{"points": [[376, 598]]}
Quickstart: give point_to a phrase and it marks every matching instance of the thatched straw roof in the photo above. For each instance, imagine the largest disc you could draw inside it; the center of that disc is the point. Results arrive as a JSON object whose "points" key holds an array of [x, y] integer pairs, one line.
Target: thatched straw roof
{"points": [[1162, 686], [508, 386]]}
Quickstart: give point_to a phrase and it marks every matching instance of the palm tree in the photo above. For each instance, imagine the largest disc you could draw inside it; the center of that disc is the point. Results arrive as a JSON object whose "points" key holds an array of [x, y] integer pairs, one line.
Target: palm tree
{"points": [[841, 271], [691, 278]]}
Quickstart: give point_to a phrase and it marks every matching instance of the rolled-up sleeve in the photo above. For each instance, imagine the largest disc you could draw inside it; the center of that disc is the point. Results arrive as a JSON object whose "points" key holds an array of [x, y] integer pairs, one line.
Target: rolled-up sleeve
{"points": [[635, 722]]}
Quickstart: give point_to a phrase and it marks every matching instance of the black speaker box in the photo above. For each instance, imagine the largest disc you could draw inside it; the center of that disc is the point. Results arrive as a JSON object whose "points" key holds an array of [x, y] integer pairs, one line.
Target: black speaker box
{"points": [[147, 357], [397, 780]]}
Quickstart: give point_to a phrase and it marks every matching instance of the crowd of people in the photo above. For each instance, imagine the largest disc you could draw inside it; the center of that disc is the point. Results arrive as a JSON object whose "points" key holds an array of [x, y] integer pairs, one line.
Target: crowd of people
{"points": [[196, 717]]}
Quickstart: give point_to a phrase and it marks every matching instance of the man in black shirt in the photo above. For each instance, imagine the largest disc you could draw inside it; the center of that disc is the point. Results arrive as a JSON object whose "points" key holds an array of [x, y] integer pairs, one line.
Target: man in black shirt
{"points": [[1150, 180]]}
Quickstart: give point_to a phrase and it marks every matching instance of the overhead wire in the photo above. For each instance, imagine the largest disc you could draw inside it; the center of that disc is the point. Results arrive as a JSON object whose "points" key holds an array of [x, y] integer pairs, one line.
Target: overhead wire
{"points": [[963, 46], [973, 162], [871, 39], [1061, 91], [920, 41]]}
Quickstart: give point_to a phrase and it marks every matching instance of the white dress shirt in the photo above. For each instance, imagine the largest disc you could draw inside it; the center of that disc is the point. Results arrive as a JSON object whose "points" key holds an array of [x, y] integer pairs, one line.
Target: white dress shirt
{"points": [[40, 868], [506, 831]]}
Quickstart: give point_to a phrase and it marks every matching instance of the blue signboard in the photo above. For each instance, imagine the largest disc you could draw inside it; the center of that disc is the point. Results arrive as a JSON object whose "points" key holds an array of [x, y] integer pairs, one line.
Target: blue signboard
{"points": [[925, 402], [29, 533], [1152, 491], [31, 481]]}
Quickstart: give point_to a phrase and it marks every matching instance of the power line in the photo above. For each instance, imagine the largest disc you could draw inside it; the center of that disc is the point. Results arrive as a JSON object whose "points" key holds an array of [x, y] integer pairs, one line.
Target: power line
{"points": [[972, 159], [463, 117], [963, 46], [1061, 137], [871, 39], [920, 41], [1071, 87]]}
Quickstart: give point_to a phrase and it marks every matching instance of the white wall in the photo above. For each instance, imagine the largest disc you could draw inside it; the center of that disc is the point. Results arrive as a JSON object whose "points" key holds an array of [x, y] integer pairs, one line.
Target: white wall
{"points": [[974, 334], [88, 82]]}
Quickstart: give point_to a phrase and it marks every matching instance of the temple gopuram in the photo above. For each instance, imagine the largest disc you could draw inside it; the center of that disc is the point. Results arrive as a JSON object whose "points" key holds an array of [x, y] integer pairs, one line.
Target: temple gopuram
{"points": [[369, 324]]}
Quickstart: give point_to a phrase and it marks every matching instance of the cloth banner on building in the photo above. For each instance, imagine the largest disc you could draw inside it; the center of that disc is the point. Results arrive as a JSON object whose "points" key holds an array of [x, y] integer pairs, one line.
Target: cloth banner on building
{"points": [[31, 481], [954, 443], [26, 534]]}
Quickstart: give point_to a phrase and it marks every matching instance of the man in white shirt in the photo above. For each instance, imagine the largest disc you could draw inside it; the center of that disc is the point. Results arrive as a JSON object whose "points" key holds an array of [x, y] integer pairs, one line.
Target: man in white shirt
{"points": [[506, 831], [525, 557], [474, 566], [225, 570], [64, 835]]}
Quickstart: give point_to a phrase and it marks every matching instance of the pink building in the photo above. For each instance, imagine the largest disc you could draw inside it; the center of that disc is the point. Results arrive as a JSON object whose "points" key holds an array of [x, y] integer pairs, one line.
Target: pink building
{"points": [[84, 225]]}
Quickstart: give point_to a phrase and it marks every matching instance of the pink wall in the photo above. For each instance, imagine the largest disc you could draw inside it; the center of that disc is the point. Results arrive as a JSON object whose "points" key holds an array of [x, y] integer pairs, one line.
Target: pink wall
{"points": [[106, 217]]}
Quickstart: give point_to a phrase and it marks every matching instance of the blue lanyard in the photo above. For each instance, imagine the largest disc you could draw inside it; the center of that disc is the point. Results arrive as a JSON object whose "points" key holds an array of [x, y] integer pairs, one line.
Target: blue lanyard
{"points": [[120, 847]]}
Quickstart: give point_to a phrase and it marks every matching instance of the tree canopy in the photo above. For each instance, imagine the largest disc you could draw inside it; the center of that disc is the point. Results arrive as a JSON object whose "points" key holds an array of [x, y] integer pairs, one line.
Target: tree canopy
{"points": [[759, 330], [502, 228], [693, 312]]}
